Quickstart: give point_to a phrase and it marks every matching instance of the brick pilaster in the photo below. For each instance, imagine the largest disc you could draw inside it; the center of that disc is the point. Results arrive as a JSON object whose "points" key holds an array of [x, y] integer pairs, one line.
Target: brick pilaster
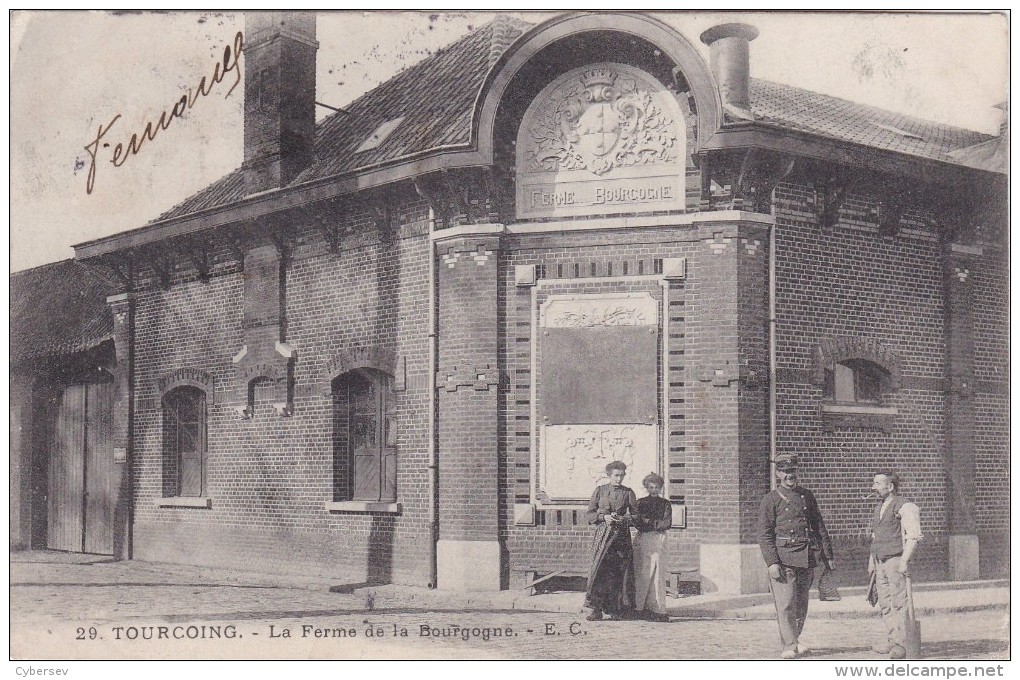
{"points": [[753, 351], [728, 424], [468, 431], [960, 263], [122, 307]]}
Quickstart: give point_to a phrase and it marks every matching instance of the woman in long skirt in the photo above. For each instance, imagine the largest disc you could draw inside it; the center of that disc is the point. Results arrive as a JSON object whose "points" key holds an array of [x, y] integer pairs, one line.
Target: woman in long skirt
{"points": [[611, 578], [654, 517]]}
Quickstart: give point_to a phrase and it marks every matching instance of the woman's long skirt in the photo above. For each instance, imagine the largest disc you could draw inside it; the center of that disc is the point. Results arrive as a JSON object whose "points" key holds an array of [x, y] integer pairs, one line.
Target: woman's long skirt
{"points": [[649, 571], [611, 578]]}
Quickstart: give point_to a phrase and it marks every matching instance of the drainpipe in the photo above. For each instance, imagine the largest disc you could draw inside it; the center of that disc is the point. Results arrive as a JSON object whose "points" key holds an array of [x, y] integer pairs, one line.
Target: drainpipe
{"points": [[772, 354], [433, 464], [783, 174]]}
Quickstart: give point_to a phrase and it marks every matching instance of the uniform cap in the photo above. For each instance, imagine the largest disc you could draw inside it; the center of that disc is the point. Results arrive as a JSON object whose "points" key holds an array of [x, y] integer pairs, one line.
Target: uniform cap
{"points": [[786, 462]]}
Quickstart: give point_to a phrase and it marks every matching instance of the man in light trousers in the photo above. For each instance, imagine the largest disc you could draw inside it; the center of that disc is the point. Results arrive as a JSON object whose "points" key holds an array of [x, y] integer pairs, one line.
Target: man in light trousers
{"points": [[895, 533]]}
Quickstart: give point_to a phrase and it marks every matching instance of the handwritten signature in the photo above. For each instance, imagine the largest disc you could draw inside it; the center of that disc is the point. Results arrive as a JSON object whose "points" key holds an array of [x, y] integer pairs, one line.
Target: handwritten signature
{"points": [[229, 63]]}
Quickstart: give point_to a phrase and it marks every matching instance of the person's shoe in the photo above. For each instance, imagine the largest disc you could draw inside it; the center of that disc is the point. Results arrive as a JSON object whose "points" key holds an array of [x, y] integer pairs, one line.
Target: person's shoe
{"points": [[660, 618], [897, 652], [802, 648], [596, 615], [788, 654], [882, 648], [830, 598]]}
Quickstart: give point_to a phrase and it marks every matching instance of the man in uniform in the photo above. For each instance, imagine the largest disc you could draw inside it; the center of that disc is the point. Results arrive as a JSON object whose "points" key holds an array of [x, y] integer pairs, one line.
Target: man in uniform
{"points": [[895, 532], [793, 539]]}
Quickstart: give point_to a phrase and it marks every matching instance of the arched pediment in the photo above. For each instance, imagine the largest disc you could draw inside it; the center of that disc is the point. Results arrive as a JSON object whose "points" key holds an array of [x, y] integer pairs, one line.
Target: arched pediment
{"points": [[671, 44]]}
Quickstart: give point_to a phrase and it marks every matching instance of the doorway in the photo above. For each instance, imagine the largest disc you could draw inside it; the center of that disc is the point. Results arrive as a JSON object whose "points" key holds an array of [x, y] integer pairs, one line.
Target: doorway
{"points": [[79, 476]]}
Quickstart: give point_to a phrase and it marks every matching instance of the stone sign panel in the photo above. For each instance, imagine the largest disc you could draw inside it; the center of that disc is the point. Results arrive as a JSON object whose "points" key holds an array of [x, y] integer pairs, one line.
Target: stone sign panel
{"points": [[597, 392]]}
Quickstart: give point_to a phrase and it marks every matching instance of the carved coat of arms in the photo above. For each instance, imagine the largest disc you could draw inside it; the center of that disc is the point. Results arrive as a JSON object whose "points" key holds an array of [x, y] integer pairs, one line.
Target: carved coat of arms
{"points": [[601, 121]]}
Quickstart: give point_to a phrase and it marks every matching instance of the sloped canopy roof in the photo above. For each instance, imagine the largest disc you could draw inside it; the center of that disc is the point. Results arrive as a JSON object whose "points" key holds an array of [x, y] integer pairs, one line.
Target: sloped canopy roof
{"points": [[58, 309]]}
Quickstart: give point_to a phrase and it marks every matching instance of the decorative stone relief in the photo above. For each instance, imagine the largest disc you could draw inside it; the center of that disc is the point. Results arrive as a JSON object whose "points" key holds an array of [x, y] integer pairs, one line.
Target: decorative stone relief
{"points": [[574, 457], [601, 139], [637, 309]]}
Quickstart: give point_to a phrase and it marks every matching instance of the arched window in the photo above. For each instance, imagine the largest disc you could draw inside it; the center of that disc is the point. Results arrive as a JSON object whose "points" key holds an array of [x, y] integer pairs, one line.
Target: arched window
{"points": [[364, 437], [184, 442]]}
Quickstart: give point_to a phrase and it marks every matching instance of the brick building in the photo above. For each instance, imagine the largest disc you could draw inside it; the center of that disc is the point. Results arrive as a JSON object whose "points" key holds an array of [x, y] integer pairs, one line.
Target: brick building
{"points": [[401, 344]]}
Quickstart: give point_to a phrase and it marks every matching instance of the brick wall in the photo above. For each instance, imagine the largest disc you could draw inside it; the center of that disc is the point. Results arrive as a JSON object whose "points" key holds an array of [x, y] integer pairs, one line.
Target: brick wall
{"points": [[990, 286], [850, 281], [269, 477]]}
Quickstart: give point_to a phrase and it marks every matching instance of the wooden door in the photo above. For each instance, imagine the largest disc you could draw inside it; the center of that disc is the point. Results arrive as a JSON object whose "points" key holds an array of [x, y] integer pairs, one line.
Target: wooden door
{"points": [[99, 491], [372, 420], [66, 476]]}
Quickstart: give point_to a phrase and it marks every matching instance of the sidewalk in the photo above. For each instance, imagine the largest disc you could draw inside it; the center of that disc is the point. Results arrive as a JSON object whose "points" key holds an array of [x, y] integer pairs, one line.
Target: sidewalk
{"points": [[220, 586], [929, 598]]}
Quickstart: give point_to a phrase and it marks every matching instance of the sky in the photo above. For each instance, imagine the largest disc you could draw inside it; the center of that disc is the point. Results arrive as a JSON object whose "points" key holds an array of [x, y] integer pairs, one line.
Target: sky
{"points": [[72, 72]]}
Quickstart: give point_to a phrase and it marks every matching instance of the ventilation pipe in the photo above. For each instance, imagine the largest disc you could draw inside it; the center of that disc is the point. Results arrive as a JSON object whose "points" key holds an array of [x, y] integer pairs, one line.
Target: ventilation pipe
{"points": [[730, 62]]}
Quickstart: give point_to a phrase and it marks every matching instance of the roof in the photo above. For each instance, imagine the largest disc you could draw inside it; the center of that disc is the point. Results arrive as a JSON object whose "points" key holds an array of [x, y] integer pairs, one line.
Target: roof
{"points": [[58, 308], [435, 96], [434, 122], [819, 114], [992, 155]]}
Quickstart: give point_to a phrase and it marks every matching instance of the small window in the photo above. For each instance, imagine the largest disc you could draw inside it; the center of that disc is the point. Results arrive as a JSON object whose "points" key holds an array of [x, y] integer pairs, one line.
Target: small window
{"points": [[855, 381], [184, 442], [364, 437], [379, 136]]}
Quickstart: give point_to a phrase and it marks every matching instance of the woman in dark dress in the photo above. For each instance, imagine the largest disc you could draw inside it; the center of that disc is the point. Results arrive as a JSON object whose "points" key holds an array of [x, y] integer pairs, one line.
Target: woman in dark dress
{"points": [[611, 579]]}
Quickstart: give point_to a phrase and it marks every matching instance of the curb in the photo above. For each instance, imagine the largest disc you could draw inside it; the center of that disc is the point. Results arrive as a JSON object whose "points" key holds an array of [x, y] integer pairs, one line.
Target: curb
{"points": [[767, 615], [752, 607]]}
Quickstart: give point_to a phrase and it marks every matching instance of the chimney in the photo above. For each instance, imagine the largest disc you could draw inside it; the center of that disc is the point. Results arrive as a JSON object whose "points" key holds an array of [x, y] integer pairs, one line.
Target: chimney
{"points": [[730, 63], [279, 97]]}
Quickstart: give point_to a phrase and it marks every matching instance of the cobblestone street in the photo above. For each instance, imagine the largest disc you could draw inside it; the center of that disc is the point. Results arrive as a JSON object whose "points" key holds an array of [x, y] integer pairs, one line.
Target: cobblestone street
{"points": [[116, 609], [528, 635]]}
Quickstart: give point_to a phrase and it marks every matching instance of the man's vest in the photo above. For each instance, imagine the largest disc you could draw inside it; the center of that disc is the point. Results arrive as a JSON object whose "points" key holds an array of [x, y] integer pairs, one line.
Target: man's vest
{"points": [[886, 530]]}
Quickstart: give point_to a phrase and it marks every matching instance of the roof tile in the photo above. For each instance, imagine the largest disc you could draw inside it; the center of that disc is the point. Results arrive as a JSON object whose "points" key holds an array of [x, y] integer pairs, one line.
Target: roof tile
{"points": [[437, 96]]}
